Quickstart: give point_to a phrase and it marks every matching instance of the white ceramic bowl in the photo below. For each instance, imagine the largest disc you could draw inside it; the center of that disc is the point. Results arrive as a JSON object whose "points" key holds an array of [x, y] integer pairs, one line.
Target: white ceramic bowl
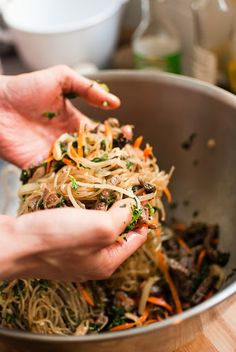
{"points": [[50, 32]]}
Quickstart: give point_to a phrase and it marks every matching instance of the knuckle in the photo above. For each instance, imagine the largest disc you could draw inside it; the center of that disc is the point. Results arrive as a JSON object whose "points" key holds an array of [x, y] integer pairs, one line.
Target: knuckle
{"points": [[62, 69], [107, 231]]}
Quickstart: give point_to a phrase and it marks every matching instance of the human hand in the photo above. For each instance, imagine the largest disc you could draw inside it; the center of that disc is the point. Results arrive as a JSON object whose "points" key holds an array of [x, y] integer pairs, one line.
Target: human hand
{"points": [[67, 244], [34, 111]]}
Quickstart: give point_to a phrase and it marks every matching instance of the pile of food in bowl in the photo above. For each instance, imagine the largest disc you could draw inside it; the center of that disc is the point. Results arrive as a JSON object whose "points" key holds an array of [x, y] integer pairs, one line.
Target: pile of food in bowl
{"points": [[178, 267]]}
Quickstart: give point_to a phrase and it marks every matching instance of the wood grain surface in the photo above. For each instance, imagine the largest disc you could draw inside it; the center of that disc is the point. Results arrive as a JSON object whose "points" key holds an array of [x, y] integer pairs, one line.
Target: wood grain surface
{"points": [[218, 336]]}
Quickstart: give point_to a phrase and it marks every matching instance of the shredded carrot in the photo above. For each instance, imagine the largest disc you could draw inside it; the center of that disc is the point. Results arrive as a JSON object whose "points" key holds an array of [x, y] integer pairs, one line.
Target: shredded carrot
{"points": [[168, 194], [150, 321], [149, 223], [73, 152], [209, 295], [158, 232], [143, 317], [67, 162], [80, 140], [184, 245], [160, 302], [48, 163], [180, 227], [163, 265], [200, 259], [49, 158], [138, 142], [125, 326], [86, 296], [147, 151], [109, 134], [51, 150]]}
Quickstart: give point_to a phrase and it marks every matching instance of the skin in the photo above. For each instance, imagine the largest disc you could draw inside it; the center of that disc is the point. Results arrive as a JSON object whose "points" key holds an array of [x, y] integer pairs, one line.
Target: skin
{"points": [[61, 244]]}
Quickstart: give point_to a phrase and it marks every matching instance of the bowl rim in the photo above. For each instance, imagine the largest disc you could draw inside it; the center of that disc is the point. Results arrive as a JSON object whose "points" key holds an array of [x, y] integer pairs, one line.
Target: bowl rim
{"points": [[64, 28], [229, 291]]}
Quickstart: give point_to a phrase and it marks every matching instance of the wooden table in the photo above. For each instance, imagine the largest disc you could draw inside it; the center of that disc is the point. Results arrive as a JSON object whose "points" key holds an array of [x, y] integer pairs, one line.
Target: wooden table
{"points": [[219, 336]]}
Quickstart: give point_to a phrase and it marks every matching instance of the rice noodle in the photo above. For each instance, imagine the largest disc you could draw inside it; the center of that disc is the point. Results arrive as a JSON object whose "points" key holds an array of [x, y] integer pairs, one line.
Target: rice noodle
{"points": [[88, 176]]}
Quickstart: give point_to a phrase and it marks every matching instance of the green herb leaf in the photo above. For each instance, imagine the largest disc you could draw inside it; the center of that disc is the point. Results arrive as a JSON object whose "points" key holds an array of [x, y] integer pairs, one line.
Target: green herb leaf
{"points": [[18, 288], [99, 159], [105, 87], [58, 165], [44, 284], [49, 114], [74, 184], [25, 176], [136, 213], [103, 144], [70, 95], [109, 200], [63, 146], [61, 203], [129, 164], [123, 206], [151, 209]]}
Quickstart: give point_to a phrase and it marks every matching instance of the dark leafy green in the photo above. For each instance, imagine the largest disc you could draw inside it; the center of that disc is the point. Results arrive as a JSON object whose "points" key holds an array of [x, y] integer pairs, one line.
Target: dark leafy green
{"points": [[99, 159], [136, 213], [74, 184], [49, 114]]}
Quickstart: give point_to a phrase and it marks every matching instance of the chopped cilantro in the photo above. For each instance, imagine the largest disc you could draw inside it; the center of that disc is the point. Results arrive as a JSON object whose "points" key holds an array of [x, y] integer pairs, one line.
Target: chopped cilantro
{"points": [[103, 144], [151, 209], [70, 95], [10, 318], [18, 288], [129, 164], [44, 284], [63, 147], [25, 176], [58, 165], [136, 213], [104, 87], [109, 200], [116, 316], [61, 203], [75, 144], [49, 114], [135, 188], [74, 184], [99, 159]]}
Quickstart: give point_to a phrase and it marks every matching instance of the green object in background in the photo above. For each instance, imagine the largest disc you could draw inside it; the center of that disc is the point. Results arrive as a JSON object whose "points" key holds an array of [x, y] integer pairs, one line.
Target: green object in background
{"points": [[168, 63], [156, 43]]}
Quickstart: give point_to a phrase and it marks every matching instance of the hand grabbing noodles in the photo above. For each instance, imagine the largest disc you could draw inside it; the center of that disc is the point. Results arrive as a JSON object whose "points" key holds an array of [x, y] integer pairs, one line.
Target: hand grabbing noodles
{"points": [[34, 111]]}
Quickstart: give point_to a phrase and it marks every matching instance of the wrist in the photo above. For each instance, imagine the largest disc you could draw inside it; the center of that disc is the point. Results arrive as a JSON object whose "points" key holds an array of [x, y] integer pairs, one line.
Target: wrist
{"points": [[9, 246]]}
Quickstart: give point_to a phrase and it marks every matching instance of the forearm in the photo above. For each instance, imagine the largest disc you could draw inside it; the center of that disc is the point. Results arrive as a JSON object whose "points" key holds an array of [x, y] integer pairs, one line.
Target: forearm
{"points": [[15, 247]]}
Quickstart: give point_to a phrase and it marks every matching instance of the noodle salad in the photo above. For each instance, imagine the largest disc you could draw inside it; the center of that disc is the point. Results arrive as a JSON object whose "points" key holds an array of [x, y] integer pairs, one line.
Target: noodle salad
{"points": [[92, 169]]}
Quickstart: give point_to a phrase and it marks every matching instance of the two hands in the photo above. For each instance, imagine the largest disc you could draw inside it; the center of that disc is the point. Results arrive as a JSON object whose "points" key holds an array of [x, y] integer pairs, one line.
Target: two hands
{"points": [[65, 244]]}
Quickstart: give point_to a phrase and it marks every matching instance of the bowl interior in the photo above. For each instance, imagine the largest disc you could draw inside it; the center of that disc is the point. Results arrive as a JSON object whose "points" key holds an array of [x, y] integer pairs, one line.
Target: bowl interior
{"points": [[167, 111]]}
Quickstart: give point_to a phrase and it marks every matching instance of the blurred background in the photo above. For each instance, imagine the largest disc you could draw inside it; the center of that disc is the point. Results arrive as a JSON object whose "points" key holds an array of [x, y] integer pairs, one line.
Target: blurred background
{"points": [[196, 38]]}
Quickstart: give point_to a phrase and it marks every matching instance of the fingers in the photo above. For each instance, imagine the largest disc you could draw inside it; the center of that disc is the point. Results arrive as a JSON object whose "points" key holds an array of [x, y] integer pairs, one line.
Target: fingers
{"points": [[89, 90], [110, 258], [75, 117], [86, 230]]}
